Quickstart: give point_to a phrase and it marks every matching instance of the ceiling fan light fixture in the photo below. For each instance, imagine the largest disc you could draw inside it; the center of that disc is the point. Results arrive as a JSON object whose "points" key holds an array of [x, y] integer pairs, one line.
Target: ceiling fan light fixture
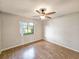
{"points": [[44, 12], [42, 17]]}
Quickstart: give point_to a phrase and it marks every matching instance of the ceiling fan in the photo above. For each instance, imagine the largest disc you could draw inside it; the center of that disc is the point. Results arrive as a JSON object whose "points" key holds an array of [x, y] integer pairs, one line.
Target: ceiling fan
{"points": [[42, 13]]}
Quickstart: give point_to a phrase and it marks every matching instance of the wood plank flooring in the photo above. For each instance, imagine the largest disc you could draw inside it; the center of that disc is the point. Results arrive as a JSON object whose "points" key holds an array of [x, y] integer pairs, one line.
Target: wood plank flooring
{"points": [[40, 50]]}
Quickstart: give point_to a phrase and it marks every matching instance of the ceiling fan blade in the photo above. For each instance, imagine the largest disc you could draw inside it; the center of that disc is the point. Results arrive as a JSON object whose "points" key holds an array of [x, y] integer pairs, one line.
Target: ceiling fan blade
{"points": [[50, 13], [38, 11], [48, 17]]}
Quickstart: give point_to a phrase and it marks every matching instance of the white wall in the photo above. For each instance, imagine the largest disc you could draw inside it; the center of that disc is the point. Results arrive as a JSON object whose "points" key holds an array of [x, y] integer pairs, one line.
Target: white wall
{"points": [[0, 32], [64, 30], [38, 31], [11, 31]]}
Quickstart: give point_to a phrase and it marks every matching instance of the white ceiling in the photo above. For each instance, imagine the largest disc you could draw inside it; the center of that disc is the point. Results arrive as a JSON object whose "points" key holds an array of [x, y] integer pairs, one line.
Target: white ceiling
{"points": [[26, 7]]}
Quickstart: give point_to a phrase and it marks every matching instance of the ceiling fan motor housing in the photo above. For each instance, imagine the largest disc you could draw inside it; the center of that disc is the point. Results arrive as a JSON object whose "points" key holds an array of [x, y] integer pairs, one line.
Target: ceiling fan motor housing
{"points": [[43, 10]]}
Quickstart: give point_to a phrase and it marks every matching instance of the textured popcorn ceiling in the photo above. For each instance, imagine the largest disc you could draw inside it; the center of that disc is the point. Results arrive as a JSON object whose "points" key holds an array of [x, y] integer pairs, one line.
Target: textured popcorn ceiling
{"points": [[26, 7]]}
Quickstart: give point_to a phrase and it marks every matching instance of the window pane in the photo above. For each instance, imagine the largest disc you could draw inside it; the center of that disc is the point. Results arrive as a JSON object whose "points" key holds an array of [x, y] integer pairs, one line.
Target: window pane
{"points": [[26, 28], [31, 24]]}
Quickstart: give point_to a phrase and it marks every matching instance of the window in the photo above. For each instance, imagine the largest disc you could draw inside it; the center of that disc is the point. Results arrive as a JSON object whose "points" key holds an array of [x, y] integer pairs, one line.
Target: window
{"points": [[26, 28]]}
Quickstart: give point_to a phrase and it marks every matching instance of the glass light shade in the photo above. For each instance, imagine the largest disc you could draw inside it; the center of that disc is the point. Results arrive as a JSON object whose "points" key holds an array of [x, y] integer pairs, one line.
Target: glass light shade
{"points": [[42, 17]]}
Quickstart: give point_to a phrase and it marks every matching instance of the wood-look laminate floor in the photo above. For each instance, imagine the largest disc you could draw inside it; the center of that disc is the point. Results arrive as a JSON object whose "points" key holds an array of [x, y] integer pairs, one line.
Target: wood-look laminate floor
{"points": [[40, 50]]}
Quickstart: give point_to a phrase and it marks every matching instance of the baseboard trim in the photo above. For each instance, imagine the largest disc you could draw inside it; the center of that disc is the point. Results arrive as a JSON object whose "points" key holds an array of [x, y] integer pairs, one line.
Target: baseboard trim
{"points": [[63, 46], [17, 46]]}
